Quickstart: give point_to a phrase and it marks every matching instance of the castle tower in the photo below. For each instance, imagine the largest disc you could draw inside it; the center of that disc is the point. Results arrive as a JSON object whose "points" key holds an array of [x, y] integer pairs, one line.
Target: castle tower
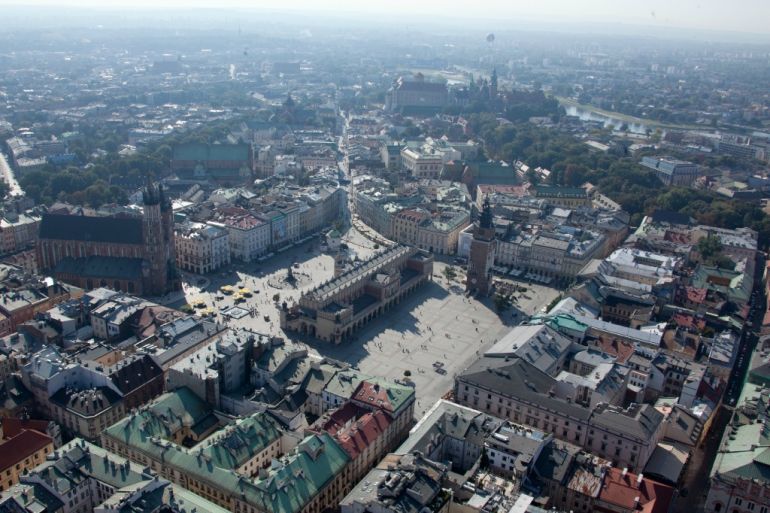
{"points": [[493, 85], [155, 241], [482, 254]]}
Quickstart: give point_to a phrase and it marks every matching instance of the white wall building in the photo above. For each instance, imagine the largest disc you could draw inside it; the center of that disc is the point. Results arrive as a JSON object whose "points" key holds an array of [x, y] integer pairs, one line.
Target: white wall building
{"points": [[201, 248]]}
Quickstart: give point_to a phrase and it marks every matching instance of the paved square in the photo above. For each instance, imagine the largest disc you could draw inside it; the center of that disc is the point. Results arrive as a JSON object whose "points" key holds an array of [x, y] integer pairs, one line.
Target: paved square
{"points": [[435, 324]]}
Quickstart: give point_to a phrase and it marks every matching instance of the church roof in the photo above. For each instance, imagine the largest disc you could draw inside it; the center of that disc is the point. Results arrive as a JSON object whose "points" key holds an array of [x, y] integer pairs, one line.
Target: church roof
{"points": [[116, 268], [119, 230]]}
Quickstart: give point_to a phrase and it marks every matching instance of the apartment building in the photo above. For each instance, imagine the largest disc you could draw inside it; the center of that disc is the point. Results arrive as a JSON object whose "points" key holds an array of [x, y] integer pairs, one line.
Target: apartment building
{"points": [[309, 478], [422, 162], [249, 236], [514, 389], [219, 367], [21, 453], [200, 248]]}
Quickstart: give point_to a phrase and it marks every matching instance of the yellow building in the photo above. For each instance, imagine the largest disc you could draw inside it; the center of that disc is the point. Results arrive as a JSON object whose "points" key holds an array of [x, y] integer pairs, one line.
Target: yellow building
{"points": [[21, 453]]}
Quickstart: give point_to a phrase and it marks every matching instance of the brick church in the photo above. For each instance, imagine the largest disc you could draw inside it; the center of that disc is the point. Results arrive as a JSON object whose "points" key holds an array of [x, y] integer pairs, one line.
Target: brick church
{"points": [[130, 254], [482, 254]]}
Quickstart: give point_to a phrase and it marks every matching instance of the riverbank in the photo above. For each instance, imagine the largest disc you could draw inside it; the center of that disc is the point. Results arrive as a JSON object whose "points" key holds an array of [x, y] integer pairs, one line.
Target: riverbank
{"points": [[625, 118]]}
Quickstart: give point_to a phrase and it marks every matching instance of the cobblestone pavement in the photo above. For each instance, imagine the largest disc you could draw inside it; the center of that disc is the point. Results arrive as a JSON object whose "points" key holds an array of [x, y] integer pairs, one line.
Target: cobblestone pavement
{"points": [[436, 324]]}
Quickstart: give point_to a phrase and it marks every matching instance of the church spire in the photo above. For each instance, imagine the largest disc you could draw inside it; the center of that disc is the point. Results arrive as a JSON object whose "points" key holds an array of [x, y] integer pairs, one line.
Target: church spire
{"points": [[486, 215]]}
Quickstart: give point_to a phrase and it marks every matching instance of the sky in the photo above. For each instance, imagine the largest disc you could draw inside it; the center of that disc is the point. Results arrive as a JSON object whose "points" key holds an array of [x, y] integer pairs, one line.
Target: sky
{"points": [[746, 16]]}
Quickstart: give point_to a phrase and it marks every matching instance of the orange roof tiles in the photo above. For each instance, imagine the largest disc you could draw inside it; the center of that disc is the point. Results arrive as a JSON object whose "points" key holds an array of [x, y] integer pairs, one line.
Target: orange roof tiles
{"points": [[622, 491]]}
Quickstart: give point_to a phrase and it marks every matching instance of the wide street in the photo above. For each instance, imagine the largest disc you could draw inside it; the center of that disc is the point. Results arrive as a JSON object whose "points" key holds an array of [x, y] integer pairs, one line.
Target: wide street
{"points": [[6, 174], [436, 324]]}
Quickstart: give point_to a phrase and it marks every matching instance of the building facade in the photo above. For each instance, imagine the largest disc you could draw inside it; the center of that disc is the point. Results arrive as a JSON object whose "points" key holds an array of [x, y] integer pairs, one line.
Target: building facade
{"points": [[482, 255], [132, 254], [335, 310], [201, 249], [672, 172]]}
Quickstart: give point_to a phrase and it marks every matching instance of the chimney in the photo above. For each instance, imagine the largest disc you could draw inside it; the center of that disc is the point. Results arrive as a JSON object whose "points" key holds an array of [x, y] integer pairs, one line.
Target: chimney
{"points": [[625, 471], [639, 479]]}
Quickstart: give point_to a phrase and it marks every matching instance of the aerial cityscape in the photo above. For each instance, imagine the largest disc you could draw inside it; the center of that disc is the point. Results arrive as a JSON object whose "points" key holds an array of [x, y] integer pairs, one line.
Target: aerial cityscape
{"points": [[384, 258]]}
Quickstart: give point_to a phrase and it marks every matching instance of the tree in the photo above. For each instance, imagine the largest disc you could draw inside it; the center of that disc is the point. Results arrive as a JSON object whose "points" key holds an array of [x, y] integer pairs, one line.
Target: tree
{"points": [[709, 246], [502, 302]]}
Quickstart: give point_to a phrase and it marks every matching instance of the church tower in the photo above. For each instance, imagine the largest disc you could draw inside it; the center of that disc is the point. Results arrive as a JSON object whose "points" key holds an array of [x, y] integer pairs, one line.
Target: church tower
{"points": [[167, 219], [493, 85], [482, 254], [155, 241]]}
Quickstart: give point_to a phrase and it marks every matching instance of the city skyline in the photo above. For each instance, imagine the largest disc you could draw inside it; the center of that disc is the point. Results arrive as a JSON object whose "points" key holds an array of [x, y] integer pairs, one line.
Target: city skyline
{"points": [[745, 16]]}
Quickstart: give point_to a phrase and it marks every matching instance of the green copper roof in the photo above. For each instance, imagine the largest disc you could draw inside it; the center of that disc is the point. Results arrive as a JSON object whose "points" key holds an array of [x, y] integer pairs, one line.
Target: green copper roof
{"points": [[235, 445], [291, 483], [345, 383], [562, 322], [302, 474], [205, 152]]}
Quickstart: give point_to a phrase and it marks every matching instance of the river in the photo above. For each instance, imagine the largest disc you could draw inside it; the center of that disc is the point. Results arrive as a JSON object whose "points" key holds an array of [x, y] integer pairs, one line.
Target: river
{"points": [[590, 115]]}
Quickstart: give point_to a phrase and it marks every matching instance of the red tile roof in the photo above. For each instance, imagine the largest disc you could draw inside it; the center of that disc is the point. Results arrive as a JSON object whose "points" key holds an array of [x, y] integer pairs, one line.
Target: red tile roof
{"points": [[12, 427], [25, 444], [622, 491], [343, 415], [360, 434], [678, 237], [618, 348], [373, 394], [696, 295], [689, 321]]}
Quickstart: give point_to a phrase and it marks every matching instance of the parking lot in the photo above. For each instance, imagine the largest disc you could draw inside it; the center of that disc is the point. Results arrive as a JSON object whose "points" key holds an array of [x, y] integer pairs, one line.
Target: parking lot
{"points": [[434, 334]]}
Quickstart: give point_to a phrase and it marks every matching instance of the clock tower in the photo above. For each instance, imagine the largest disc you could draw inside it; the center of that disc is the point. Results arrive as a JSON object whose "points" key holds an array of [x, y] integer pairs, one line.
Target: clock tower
{"points": [[482, 254]]}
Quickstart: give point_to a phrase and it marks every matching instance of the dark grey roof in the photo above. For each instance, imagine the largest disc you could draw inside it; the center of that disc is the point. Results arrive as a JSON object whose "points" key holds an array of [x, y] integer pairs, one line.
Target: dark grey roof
{"points": [[121, 230], [554, 461], [130, 376], [101, 267], [638, 420], [85, 402], [516, 378], [179, 336]]}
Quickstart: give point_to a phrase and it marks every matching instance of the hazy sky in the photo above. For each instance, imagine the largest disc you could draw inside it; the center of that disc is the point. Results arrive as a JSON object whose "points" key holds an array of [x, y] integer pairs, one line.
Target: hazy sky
{"points": [[750, 16]]}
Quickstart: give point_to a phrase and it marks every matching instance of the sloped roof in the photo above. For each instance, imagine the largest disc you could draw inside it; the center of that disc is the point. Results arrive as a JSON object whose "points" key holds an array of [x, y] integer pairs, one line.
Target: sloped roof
{"points": [[21, 446], [203, 152], [516, 377], [140, 371], [101, 267], [120, 230]]}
